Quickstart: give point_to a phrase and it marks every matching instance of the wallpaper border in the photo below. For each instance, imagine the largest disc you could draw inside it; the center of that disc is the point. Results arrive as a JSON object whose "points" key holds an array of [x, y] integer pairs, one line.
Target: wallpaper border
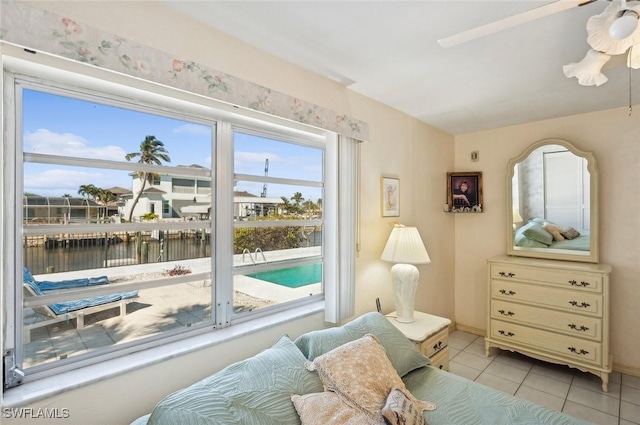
{"points": [[47, 32]]}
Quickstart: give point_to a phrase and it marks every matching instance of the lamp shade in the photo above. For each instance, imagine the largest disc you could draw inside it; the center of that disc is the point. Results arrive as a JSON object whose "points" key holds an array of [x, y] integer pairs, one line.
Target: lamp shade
{"points": [[405, 246], [517, 218], [589, 70]]}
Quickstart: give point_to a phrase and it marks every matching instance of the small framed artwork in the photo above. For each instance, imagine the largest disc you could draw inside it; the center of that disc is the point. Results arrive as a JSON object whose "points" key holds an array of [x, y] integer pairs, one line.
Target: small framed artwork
{"points": [[464, 192], [390, 196]]}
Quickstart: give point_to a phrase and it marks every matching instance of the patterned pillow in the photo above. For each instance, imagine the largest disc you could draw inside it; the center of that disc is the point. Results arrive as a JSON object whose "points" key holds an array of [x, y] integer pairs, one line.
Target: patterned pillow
{"points": [[402, 353], [554, 230], [327, 408], [362, 375], [534, 230], [570, 233], [399, 410]]}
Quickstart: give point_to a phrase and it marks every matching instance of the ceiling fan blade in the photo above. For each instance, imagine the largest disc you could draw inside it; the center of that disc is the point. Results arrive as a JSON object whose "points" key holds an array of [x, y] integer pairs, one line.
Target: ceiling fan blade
{"points": [[511, 21]]}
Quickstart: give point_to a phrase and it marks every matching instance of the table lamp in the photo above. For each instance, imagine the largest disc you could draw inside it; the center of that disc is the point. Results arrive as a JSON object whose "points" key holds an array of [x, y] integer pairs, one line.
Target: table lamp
{"points": [[405, 248], [517, 218]]}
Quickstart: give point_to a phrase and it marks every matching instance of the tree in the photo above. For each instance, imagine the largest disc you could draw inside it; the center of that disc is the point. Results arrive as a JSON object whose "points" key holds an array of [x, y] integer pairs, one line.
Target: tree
{"points": [[88, 190], [151, 152], [105, 196], [297, 198], [287, 205]]}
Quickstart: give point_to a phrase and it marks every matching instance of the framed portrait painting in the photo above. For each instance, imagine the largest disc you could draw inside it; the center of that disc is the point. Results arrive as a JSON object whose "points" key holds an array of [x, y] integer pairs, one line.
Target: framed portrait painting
{"points": [[390, 196], [464, 192]]}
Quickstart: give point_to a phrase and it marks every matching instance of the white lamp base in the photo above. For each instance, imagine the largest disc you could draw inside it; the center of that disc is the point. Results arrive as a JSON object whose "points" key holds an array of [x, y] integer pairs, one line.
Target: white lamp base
{"points": [[405, 282]]}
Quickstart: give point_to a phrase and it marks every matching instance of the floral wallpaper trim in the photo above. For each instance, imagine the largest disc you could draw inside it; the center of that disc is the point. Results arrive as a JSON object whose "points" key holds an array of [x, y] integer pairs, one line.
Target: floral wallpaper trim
{"points": [[44, 31]]}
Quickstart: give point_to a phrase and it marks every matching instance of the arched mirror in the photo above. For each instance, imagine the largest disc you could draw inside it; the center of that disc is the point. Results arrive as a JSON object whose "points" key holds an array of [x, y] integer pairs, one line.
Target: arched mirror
{"points": [[552, 203]]}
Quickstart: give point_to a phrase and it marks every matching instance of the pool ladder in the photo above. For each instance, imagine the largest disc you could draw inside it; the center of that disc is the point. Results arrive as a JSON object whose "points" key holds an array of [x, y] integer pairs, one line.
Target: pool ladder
{"points": [[257, 251]]}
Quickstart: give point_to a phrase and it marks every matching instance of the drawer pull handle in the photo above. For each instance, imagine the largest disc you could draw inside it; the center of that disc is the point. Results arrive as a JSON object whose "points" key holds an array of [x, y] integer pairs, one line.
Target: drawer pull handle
{"points": [[582, 283], [578, 328], [503, 274], [438, 345], [505, 292], [506, 333], [577, 304], [506, 313], [576, 351]]}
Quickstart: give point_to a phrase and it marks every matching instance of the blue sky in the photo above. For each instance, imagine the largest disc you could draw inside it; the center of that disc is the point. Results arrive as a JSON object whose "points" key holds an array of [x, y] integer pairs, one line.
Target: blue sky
{"points": [[60, 125]]}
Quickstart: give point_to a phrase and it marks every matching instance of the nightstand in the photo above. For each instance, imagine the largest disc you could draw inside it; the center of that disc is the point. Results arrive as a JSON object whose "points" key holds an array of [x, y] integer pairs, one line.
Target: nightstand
{"points": [[430, 334]]}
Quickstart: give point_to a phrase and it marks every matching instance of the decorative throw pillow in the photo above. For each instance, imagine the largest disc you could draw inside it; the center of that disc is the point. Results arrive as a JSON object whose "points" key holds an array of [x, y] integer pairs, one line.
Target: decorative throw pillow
{"points": [[362, 375], [554, 230], [402, 353], [523, 241], [570, 233], [399, 410], [327, 408], [534, 231]]}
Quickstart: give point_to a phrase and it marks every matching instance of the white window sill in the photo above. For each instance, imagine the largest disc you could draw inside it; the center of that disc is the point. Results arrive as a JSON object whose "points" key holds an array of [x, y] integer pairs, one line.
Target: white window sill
{"points": [[40, 389]]}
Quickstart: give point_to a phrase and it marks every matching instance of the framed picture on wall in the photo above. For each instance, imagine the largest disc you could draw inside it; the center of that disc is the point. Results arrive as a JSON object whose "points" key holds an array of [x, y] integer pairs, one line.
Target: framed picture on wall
{"points": [[390, 196], [464, 192]]}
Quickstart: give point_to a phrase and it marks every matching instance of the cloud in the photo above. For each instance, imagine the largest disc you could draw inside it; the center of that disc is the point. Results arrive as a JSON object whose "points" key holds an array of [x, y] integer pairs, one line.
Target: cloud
{"points": [[67, 144], [253, 162], [197, 129], [55, 182]]}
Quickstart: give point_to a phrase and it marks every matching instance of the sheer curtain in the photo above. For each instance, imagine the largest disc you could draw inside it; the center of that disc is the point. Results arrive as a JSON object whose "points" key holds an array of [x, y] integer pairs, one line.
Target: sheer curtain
{"points": [[342, 153]]}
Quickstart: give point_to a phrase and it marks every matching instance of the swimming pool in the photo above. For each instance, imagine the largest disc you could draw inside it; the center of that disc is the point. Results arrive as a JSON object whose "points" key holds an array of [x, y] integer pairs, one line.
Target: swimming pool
{"points": [[292, 277]]}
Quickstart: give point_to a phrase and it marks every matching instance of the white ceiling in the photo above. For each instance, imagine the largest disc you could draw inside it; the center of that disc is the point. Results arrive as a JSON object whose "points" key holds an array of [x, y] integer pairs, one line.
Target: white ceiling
{"points": [[388, 51]]}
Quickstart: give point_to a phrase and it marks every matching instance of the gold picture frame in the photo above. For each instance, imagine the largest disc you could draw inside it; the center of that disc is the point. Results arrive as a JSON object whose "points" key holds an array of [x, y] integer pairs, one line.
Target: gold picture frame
{"points": [[464, 192]]}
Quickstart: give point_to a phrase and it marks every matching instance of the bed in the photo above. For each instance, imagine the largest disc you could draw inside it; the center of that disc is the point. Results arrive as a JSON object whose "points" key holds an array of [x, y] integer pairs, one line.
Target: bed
{"points": [[262, 389], [534, 235]]}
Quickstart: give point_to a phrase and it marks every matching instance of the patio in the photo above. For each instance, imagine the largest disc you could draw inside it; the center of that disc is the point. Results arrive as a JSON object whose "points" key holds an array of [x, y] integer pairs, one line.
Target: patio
{"points": [[155, 310]]}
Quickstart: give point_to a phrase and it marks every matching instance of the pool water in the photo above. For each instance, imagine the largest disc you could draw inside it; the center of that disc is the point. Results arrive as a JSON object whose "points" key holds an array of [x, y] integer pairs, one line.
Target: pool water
{"points": [[292, 277]]}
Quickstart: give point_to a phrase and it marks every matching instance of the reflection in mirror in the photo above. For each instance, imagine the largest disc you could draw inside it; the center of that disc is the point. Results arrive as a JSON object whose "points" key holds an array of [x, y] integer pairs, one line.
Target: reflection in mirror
{"points": [[552, 203]]}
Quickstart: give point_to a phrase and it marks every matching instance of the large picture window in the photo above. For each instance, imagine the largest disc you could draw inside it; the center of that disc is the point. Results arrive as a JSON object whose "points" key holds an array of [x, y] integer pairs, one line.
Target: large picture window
{"points": [[136, 223]]}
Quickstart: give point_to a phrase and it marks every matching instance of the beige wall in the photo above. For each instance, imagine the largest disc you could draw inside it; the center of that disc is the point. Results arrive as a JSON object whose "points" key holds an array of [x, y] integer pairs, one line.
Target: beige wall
{"points": [[612, 136]]}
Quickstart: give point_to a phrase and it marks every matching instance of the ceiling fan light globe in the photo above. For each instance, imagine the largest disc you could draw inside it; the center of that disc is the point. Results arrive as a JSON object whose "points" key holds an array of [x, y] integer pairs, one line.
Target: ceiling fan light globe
{"points": [[624, 26]]}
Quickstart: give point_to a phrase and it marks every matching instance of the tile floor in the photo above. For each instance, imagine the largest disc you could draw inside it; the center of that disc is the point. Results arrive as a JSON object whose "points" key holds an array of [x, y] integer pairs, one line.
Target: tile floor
{"points": [[554, 386]]}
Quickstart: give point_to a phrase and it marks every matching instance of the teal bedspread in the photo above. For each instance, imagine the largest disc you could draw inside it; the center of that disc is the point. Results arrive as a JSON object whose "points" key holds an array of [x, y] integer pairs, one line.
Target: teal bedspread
{"points": [[460, 401], [581, 243]]}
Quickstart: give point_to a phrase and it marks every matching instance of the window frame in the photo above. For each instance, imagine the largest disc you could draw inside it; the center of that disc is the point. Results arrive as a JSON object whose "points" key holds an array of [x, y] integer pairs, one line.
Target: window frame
{"points": [[62, 76]]}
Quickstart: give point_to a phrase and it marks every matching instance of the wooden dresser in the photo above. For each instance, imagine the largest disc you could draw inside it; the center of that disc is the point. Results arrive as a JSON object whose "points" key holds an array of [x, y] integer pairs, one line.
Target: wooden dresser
{"points": [[556, 311]]}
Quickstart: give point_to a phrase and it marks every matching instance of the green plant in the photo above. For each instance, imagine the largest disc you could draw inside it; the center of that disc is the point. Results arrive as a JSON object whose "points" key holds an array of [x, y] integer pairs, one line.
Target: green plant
{"points": [[149, 216]]}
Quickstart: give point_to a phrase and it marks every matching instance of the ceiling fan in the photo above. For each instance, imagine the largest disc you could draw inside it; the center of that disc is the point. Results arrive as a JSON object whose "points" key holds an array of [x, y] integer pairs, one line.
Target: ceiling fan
{"points": [[614, 31]]}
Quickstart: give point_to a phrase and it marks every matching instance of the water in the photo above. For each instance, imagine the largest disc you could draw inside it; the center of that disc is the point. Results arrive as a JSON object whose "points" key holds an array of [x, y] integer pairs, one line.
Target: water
{"points": [[92, 253], [95, 255], [292, 277]]}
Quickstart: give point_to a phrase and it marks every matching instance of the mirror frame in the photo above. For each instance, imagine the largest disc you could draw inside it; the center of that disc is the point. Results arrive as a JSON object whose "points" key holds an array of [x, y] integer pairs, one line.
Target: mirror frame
{"points": [[593, 255]]}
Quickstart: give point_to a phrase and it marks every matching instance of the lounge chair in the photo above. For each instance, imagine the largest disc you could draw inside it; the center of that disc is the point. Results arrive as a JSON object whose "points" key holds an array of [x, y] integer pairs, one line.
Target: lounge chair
{"points": [[63, 311], [47, 285]]}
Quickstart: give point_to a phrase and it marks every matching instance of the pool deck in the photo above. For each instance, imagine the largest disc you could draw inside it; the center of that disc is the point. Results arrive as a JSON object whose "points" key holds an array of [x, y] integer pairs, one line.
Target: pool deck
{"points": [[155, 310]]}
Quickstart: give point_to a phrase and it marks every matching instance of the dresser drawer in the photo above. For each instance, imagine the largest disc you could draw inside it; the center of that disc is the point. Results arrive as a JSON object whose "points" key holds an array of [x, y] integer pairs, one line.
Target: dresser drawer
{"points": [[562, 278], [567, 323], [568, 347], [435, 343], [441, 360], [567, 300]]}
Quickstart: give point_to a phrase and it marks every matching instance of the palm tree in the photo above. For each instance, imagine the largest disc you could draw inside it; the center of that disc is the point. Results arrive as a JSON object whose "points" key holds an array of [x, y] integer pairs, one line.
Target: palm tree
{"points": [[287, 205], [152, 152], [89, 190], [297, 198]]}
